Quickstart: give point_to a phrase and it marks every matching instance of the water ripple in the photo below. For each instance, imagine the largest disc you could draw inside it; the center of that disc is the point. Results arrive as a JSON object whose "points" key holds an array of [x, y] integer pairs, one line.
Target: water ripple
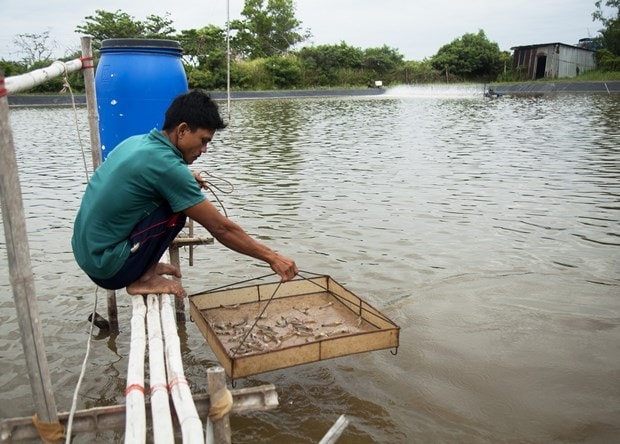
{"points": [[490, 229]]}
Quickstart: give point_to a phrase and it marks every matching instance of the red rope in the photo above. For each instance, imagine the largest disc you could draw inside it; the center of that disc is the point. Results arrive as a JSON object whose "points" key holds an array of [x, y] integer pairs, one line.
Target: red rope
{"points": [[156, 387], [87, 65], [176, 381], [133, 387]]}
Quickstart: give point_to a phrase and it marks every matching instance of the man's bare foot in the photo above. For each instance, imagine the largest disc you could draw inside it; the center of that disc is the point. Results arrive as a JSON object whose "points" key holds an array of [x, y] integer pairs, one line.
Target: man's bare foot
{"points": [[164, 268], [156, 284]]}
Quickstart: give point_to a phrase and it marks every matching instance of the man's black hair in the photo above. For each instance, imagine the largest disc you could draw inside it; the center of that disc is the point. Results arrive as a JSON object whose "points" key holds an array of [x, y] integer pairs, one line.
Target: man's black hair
{"points": [[197, 109]]}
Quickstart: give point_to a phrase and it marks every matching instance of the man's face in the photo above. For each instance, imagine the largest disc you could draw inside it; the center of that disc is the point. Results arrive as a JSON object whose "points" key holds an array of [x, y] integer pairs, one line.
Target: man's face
{"points": [[193, 143]]}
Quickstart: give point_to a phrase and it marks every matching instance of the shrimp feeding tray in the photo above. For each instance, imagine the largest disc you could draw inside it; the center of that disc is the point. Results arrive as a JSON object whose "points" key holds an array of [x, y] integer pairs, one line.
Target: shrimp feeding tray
{"points": [[265, 327]]}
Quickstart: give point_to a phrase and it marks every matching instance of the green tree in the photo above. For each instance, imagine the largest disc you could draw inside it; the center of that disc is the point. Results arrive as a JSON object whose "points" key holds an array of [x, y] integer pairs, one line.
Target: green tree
{"points": [[107, 25], [470, 57], [610, 34], [203, 43], [157, 27], [11, 68], [205, 50], [331, 57], [323, 65], [382, 61], [285, 71], [418, 72], [267, 29]]}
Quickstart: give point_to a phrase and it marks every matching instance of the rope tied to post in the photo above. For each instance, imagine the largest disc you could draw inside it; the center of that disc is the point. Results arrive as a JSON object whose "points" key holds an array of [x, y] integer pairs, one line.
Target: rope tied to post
{"points": [[49, 432], [221, 404], [87, 63]]}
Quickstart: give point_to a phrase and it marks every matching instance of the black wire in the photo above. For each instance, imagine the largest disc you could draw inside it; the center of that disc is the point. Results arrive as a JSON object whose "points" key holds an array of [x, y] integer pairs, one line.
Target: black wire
{"points": [[256, 320], [230, 285]]}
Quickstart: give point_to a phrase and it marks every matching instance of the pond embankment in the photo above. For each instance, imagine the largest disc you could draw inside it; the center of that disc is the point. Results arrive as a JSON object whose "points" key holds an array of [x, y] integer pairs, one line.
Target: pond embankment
{"points": [[598, 87], [65, 99]]}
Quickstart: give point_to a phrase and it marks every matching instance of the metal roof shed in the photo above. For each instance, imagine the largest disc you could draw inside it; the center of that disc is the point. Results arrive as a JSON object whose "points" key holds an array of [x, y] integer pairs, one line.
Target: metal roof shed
{"points": [[552, 60]]}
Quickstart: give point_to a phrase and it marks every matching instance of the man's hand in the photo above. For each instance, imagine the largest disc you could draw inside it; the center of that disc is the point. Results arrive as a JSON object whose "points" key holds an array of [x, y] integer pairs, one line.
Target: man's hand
{"points": [[202, 183], [284, 267]]}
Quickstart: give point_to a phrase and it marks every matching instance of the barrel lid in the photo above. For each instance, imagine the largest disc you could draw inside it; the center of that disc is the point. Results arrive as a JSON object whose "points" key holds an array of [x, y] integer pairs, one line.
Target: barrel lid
{"points": [[140, 43]]}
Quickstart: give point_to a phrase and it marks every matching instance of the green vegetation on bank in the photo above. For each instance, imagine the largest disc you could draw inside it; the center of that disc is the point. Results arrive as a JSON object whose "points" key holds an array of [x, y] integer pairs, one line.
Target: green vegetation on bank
{"points": [[267, 52]]}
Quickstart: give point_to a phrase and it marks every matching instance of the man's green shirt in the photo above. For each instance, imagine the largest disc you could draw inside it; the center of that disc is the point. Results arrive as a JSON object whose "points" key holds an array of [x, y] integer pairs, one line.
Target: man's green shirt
{"points": [[138, 176]]}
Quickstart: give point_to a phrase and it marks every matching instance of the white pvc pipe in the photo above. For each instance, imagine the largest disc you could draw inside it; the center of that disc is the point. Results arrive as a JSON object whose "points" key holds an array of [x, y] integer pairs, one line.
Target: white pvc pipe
{"points": [[135, 422], [31, 79], [163, 432], [191, 425]]}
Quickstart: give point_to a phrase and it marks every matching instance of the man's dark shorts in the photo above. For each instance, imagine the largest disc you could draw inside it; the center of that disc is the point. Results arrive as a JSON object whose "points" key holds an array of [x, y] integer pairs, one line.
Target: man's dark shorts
{"points": [[149, 240]]}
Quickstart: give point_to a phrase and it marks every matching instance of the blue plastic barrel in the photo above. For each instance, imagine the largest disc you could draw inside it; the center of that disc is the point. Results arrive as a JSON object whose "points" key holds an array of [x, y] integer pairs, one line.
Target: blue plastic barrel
{"points": [[135, 82]]}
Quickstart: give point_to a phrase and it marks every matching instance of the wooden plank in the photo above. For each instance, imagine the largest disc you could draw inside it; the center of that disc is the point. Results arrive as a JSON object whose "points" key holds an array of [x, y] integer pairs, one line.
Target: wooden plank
{"points": [[101, 419], [185, 241]]}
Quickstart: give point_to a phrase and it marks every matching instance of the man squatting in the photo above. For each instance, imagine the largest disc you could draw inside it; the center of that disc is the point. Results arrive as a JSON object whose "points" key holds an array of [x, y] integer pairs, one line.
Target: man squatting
{"points": [[137, 202]]}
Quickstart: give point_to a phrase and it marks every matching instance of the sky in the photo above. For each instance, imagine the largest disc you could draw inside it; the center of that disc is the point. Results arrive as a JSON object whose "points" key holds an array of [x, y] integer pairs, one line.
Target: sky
{"points": [[416, 28]]}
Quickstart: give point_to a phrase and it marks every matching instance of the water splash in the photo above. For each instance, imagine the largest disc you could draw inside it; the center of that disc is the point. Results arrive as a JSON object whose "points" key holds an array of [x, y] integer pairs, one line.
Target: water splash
{"points": [[437, 91]]}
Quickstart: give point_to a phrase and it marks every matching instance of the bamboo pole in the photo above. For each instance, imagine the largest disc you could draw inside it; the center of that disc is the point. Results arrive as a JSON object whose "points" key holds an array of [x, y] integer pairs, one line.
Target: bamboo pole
{"points": [[160, 402], [191, 425], [91, 100], [335, 431], [135, 424], [24, 82], [20, 270]]}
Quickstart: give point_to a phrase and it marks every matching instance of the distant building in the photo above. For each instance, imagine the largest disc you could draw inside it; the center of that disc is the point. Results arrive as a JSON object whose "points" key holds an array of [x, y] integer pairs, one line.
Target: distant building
{"points": [[552, 60]]}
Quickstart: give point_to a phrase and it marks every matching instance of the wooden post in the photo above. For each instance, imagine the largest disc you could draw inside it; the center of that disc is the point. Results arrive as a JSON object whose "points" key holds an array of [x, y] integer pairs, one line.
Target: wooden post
{"points": [[216, 379], [20, 269], [191, 247], [179, 302], [112, 310], [88, 71]]}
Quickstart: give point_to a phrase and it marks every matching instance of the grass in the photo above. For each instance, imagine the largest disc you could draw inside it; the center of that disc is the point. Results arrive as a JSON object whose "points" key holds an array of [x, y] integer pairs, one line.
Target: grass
{"points": [[597, 76], [590, 76]]}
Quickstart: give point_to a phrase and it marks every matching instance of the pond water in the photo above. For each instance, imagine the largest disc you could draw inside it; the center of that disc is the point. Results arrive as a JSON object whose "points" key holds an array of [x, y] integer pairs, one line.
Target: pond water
{"points": [[489, 230]]}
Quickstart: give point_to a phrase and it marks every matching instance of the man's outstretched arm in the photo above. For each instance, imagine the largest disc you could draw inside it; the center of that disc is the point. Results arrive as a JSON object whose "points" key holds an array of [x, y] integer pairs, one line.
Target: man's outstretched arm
{"points": [[232, 236]]}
